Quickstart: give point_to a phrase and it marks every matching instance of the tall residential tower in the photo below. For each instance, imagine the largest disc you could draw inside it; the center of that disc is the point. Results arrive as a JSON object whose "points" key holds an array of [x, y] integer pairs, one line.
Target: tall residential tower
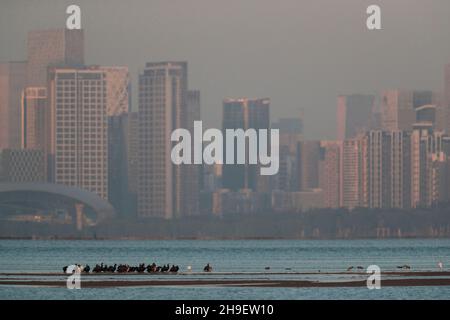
{"points": [[79, 128], [163, 107], [244, 114]]}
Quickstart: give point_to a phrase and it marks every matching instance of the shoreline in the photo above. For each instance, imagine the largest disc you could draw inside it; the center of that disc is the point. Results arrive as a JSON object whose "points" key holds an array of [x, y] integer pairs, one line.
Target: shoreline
{"points": [[233, 283], [81, 238], [423, 273], [397, 279]]}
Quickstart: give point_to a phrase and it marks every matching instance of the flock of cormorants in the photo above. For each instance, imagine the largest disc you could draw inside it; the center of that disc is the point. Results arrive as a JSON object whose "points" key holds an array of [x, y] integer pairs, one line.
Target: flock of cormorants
{"points": [[153, 268], [125, 268]]}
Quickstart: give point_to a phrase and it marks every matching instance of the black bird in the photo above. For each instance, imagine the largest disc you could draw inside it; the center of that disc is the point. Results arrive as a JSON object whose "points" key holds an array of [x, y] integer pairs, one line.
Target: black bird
{"points": [[113, 268], [405, 266], [207, 268], [141, 268], [174, 268], [165, 268]]}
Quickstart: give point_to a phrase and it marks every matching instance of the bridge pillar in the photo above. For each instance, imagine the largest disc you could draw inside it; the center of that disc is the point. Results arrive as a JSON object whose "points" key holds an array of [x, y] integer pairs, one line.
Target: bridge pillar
{"points": [[79, 215]]}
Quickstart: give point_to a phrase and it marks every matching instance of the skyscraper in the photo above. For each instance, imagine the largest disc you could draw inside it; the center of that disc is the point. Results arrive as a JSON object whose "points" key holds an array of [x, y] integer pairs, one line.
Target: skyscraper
{"points": [[291, 133], [12, 83], [46, 49], [118, 139], [397, 110], [54, 47], [244, 114], [79, 128], [429, 159], [354, 173], [34, 118], [354, 115], [191, 172], [446, 99], [388, 171], [133, 160], [162, 109], [308, 155], [330, 172], [117, 90], [117, 82]]}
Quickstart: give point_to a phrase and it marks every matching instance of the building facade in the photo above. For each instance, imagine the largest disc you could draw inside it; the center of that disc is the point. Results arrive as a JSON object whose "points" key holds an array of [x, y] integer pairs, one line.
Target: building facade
{"points": [[354, 115], [34, 118], [330, 172], [429, 164], [308, 154], [388, 172], [162, 109], [244, 114], [397, 110], [291, 134], [21, 165], [79, 128], [12, 83], [354, 173], [50, 48]]}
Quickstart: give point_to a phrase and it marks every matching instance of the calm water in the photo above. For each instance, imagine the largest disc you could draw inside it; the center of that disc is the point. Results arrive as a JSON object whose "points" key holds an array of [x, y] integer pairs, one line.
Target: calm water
{"points": [[226, 256]]}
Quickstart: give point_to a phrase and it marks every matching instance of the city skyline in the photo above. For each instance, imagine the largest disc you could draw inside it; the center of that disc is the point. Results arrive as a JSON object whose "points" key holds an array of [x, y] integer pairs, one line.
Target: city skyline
{"points": [[305, 72], [390, 150]]}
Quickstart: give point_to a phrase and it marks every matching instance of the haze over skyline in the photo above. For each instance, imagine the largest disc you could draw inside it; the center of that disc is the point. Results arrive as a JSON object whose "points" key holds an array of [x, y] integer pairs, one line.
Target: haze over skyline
{"points": [[301, 55]]}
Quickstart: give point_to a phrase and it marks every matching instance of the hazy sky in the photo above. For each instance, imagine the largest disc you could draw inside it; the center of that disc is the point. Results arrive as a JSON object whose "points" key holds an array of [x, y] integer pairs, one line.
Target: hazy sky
{"points": [[301, 54]]}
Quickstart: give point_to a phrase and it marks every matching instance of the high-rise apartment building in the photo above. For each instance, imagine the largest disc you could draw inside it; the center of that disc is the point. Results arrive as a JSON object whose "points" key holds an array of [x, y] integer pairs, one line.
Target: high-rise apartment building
{"points": [[46, 49], [12, 83], [330, 172], [388, 171], [429, 160], [163, 107], [354, 115], [191, 172], [244, 114], [79, 128], [354, 173]]}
